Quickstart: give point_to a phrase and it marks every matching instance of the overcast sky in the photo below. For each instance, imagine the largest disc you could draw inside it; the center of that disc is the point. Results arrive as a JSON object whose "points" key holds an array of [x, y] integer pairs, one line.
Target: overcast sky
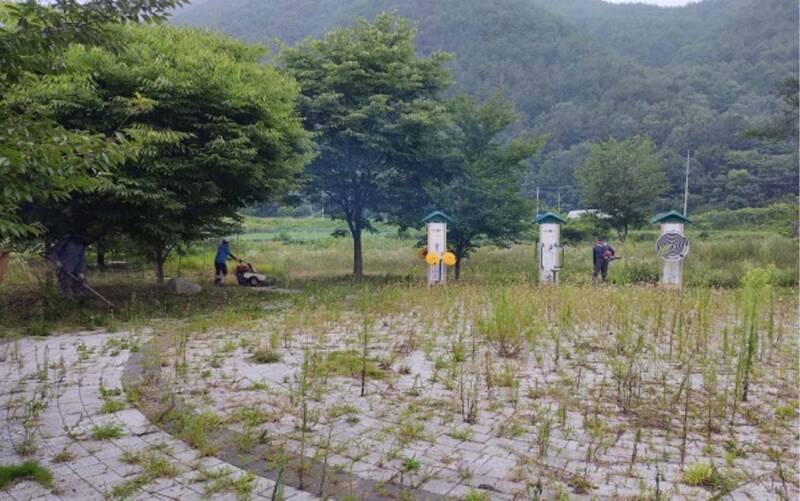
{"points": [[663, 3]]}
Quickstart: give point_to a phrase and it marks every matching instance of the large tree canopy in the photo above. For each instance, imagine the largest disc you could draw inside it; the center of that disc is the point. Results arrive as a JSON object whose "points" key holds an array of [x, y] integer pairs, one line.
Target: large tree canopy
{"points": [[39, 160], [218, 130], [624, 180], [372, 103], [483, 195]]}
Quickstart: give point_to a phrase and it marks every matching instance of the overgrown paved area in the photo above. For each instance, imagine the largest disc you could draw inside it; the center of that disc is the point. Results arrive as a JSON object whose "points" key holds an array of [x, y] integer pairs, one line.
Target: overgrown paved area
{"points": [[513, 396], [63, 405], [394, 391]]}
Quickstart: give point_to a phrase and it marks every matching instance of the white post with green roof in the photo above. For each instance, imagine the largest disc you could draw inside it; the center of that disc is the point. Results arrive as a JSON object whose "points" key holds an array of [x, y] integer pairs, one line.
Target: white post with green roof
{"points": [[550, 249], [672, 247], [436, 223]]}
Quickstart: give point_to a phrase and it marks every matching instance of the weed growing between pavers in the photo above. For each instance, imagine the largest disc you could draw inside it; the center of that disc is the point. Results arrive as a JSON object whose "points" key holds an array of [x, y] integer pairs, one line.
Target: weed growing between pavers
{"points": [[155, 464], [106, 431], [29, 470]]}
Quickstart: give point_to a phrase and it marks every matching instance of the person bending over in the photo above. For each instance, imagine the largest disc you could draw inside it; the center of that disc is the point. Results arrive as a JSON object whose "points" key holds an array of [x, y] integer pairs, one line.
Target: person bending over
{"points": [[602, 255]]}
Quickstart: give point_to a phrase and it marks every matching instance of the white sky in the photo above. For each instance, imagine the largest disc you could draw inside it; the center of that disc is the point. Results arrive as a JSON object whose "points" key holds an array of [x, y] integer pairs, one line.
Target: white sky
{"points": [[663, 3]]}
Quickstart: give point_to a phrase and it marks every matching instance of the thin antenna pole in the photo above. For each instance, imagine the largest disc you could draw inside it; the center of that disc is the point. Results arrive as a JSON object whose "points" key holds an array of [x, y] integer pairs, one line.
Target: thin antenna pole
{"points": [[559, 199], [686, 185], [537, 200]]}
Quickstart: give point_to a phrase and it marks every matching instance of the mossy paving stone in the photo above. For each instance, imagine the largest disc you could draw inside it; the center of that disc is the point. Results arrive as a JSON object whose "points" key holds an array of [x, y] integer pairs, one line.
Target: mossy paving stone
{"points": [[158, 406]]}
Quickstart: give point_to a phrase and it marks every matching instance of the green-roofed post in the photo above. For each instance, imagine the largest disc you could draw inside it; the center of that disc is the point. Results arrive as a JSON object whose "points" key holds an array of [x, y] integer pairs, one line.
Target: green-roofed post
{"points": [[550, 249], [436, 223], [672, 246]]}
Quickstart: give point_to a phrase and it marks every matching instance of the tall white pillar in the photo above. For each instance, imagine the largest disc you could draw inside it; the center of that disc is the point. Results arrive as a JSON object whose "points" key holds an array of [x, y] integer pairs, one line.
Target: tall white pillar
{"points": [[672, 271], [550, 249], [672, 247], [437, 242], [436, 246]]}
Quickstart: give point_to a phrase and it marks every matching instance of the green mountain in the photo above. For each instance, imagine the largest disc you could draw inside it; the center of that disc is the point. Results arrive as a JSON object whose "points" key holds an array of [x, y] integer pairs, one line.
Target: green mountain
{"points": [[692, 78]]}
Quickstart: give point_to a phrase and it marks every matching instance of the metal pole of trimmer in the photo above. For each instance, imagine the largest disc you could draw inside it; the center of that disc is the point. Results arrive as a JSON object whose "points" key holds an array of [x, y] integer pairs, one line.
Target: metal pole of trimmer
{"points": [[83, 284]]}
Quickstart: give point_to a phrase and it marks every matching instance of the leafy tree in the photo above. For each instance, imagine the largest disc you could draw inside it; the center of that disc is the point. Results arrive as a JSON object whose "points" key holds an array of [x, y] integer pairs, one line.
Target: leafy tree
{"points": [[218, 131], [483, 196], [40, 161], [623, 179], [740, 189], [372, 103]]}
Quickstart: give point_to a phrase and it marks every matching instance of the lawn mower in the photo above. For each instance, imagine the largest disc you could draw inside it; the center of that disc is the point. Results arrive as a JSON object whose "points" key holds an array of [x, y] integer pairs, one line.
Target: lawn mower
{"points": [[247, 276]]}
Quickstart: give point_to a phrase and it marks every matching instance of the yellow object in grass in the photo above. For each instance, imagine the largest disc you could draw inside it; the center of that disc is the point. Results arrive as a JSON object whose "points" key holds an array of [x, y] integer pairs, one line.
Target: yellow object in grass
{"points": [[449, 259], [432, 258]]}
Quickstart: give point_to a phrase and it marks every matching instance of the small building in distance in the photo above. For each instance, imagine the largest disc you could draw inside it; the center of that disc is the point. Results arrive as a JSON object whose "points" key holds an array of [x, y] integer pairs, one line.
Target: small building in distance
{"points": [[579, 213]]}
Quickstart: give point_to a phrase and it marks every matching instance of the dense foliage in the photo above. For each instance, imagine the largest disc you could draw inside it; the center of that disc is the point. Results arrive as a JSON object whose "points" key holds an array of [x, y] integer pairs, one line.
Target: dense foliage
{"points": [[372, 104], [582, 71], [622, 179], [217, 131], [482, 195], [41, 161]]}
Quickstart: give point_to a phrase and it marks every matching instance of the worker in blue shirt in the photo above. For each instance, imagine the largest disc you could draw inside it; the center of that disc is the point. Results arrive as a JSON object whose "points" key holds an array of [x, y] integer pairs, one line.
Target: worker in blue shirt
{"points": [[220, 268]]}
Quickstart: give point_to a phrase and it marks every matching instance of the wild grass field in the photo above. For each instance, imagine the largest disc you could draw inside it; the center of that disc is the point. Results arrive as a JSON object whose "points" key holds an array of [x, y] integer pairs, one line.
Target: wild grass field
{"points": [[302, 253]]}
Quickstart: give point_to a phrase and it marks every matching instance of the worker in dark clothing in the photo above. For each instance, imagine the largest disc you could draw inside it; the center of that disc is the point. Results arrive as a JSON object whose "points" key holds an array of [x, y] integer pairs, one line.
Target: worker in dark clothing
{"points": [[69, 256], [602, 254], [220, 268]]}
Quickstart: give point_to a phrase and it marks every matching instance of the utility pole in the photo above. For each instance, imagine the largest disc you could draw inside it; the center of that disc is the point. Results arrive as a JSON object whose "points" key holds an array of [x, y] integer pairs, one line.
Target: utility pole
{"points": [[686, 186], [559, 200], [537, 200]]}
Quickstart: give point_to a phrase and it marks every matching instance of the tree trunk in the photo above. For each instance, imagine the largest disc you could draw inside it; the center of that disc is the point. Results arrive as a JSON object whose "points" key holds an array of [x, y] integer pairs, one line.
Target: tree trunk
{"points": [[458, 267], [101, 258], [358, 258], [160, 257]]}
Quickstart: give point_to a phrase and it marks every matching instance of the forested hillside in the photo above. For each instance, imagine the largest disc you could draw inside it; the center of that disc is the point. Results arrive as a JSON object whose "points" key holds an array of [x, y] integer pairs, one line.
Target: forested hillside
{"points": [[581, 71]]}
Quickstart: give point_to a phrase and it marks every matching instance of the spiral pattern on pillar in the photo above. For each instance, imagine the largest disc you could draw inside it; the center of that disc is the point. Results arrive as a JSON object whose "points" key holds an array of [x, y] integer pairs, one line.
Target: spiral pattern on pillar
{"points": [[672, 246]]}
